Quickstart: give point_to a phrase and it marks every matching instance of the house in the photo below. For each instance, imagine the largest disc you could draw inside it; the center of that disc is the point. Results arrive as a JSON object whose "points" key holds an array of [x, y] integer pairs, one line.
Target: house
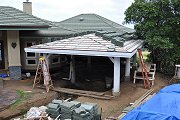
{"points": [[108, 44], [12, 21], [19, 30]]}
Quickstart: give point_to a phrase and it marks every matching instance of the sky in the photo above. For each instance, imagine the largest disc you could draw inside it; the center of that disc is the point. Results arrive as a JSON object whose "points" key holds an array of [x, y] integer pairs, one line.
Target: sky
{"points": [[58, 10]]}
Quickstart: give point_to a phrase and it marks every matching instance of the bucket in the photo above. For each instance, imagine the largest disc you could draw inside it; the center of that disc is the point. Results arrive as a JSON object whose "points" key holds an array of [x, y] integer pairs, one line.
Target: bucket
{"points": [[178, 73]]}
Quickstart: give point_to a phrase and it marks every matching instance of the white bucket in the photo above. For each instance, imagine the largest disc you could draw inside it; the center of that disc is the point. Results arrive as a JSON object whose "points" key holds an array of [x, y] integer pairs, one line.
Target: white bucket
{"points": [[178, 73]]}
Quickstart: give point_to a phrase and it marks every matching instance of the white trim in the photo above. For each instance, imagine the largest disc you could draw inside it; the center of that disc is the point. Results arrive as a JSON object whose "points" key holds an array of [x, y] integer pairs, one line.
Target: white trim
{"points": [[86, 53]]}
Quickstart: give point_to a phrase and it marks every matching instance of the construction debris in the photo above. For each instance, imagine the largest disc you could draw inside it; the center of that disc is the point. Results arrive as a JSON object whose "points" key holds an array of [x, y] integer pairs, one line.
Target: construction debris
{"points": [[36, 112], [73, 110], [138, 102]]}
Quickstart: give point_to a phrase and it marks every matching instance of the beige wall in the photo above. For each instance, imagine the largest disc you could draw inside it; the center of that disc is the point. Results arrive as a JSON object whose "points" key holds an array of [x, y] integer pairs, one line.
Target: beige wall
{"points": [[13, 53]]}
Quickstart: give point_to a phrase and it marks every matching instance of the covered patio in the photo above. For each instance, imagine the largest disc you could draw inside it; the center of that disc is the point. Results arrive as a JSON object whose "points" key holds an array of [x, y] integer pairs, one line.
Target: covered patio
{"points": [[102, 43]]}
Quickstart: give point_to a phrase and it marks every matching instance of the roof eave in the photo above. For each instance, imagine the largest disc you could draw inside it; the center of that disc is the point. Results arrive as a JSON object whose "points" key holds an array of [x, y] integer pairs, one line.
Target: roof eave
{"points": [[26, 27]]}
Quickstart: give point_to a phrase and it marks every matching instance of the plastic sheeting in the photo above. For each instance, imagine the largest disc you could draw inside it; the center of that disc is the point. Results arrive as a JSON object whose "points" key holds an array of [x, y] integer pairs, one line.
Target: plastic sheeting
{"points": [[165, 105]]}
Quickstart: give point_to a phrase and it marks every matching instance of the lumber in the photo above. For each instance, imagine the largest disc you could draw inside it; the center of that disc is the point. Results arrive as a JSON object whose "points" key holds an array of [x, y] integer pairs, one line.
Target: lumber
{"points": [[80, 94]]}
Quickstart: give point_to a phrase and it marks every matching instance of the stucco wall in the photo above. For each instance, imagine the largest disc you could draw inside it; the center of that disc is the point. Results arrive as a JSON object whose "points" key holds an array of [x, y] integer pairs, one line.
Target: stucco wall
{"points": [[13, 53]]}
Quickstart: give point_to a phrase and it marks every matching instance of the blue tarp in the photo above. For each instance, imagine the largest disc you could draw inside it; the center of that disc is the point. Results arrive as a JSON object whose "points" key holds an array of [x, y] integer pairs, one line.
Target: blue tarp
{"points": [[165, 105]]}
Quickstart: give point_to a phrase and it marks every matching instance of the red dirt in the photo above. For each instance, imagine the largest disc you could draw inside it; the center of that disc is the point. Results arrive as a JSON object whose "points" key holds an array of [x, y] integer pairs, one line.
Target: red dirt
{"points": [[114, 107]]}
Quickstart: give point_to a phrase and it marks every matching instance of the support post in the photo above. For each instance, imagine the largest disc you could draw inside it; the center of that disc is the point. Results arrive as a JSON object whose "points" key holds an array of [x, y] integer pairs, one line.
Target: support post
{"points": [[89, 62], [134, 60], [14, 58], [127, 70], [116, 84], [72, 68]]}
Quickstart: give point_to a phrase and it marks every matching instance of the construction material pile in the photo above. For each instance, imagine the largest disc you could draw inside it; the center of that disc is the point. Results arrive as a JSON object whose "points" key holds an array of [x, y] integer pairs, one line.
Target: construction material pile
{"points": [[73, 110]]}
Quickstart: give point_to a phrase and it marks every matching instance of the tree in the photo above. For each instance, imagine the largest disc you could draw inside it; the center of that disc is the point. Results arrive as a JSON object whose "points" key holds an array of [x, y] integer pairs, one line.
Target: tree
{"points": [[158, 23]]}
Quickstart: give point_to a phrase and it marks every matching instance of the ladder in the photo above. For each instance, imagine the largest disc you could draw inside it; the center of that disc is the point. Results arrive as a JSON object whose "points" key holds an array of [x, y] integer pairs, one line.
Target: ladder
{"points": [[43, 71], [144, 71]]}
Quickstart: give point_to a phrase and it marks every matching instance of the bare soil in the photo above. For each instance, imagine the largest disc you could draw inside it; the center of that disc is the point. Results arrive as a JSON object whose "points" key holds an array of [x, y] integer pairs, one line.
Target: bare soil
{"points": [[114, 107]]}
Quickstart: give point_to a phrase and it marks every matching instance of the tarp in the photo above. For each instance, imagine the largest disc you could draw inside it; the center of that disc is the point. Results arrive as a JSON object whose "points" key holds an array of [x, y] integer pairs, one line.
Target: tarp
{"points": [[165, 105]]}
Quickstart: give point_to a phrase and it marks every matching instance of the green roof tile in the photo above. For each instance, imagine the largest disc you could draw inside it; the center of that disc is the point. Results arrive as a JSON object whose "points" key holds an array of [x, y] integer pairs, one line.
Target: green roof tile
{"points": [[12, 17], [93, 22]]}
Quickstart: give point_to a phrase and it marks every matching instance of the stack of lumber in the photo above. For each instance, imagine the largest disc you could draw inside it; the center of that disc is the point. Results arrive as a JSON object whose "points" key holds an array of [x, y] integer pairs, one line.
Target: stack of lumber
{"points": [[149, 94], [99, 95]]}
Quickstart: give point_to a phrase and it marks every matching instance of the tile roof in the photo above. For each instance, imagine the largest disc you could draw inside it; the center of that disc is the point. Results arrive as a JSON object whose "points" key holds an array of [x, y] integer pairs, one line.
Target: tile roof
{"points": [[93, 22], [91, 42], [12, 17]]}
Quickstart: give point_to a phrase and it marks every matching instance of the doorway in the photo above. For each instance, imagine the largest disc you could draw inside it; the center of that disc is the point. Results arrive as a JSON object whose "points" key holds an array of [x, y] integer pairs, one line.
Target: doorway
{"points": [[2, 64]]}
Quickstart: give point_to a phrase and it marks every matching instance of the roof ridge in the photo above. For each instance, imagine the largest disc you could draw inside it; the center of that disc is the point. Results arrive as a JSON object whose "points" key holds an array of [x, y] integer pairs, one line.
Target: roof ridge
{"points": [[110, 21]]}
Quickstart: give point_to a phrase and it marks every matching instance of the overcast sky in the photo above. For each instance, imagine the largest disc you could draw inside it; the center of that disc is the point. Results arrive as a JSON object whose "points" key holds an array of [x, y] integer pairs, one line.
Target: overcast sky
{"points": [[58, 10]]}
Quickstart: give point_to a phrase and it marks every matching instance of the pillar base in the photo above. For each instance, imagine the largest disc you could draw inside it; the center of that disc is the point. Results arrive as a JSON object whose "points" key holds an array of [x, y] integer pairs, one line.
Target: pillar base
{"points": [[116, 94], [15, 72], [127, 78]]}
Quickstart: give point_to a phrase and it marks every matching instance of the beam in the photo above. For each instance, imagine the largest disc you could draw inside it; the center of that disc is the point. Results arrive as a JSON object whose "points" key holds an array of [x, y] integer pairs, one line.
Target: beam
{"points": [[116, 83], [72, 70], [127, 70], [125, 54], [112, 59], [134, 60]]}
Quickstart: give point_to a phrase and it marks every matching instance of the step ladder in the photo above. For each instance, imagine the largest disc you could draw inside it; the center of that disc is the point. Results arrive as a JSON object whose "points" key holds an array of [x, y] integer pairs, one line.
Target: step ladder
{"points": [[147, 83], [42, 71]]}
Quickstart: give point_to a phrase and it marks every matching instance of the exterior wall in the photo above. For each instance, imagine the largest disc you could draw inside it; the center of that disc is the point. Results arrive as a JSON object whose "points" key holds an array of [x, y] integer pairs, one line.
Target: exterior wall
{"points": [[33, 67]]}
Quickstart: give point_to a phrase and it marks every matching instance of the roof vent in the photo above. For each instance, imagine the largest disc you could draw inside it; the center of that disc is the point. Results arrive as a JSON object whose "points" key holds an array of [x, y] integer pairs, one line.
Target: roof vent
{"points": [[81, 19]]}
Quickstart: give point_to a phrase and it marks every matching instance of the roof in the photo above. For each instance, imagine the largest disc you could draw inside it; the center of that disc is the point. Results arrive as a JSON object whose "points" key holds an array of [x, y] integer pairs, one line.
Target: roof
{"points": [[78, 24], [12, 18], [93, 22], [93, 44]]}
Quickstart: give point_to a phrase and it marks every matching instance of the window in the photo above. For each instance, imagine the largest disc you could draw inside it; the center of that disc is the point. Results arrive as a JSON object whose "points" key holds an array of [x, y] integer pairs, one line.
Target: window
{"points": [[30, 55], [31, 62]]}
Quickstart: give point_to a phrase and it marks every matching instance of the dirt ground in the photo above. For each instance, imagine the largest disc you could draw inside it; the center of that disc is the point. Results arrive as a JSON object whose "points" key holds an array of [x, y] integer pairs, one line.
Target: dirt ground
{"points": [[114, 107]]}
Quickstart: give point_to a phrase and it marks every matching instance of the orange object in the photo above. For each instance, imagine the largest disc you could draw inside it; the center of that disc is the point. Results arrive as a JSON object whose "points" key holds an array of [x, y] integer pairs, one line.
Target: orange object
{"points": [[144, 71]]}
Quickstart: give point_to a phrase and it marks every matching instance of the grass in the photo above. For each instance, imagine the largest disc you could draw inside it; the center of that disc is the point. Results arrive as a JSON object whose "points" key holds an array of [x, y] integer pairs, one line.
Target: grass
{"points": [[22, 96]]}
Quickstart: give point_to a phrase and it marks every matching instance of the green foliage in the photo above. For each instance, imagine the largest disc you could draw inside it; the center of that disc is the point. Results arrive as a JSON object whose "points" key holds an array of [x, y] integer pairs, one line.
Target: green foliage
{"points": [[22, 96], [158, 22]]}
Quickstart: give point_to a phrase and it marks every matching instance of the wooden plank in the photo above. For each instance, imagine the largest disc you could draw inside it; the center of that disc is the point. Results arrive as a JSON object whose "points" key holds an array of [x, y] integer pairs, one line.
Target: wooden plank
{"points": [[80, 94], [137, 102], [82, 91]]}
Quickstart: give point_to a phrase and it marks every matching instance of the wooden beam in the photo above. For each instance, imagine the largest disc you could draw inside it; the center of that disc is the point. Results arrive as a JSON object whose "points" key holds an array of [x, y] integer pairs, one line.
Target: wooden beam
{"points": [[81, 93]]}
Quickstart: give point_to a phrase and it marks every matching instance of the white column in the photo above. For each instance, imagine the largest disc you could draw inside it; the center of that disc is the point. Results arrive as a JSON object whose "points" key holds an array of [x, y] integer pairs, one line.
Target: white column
{"points": [[116, 84], [127, 70], [72, 68]]}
